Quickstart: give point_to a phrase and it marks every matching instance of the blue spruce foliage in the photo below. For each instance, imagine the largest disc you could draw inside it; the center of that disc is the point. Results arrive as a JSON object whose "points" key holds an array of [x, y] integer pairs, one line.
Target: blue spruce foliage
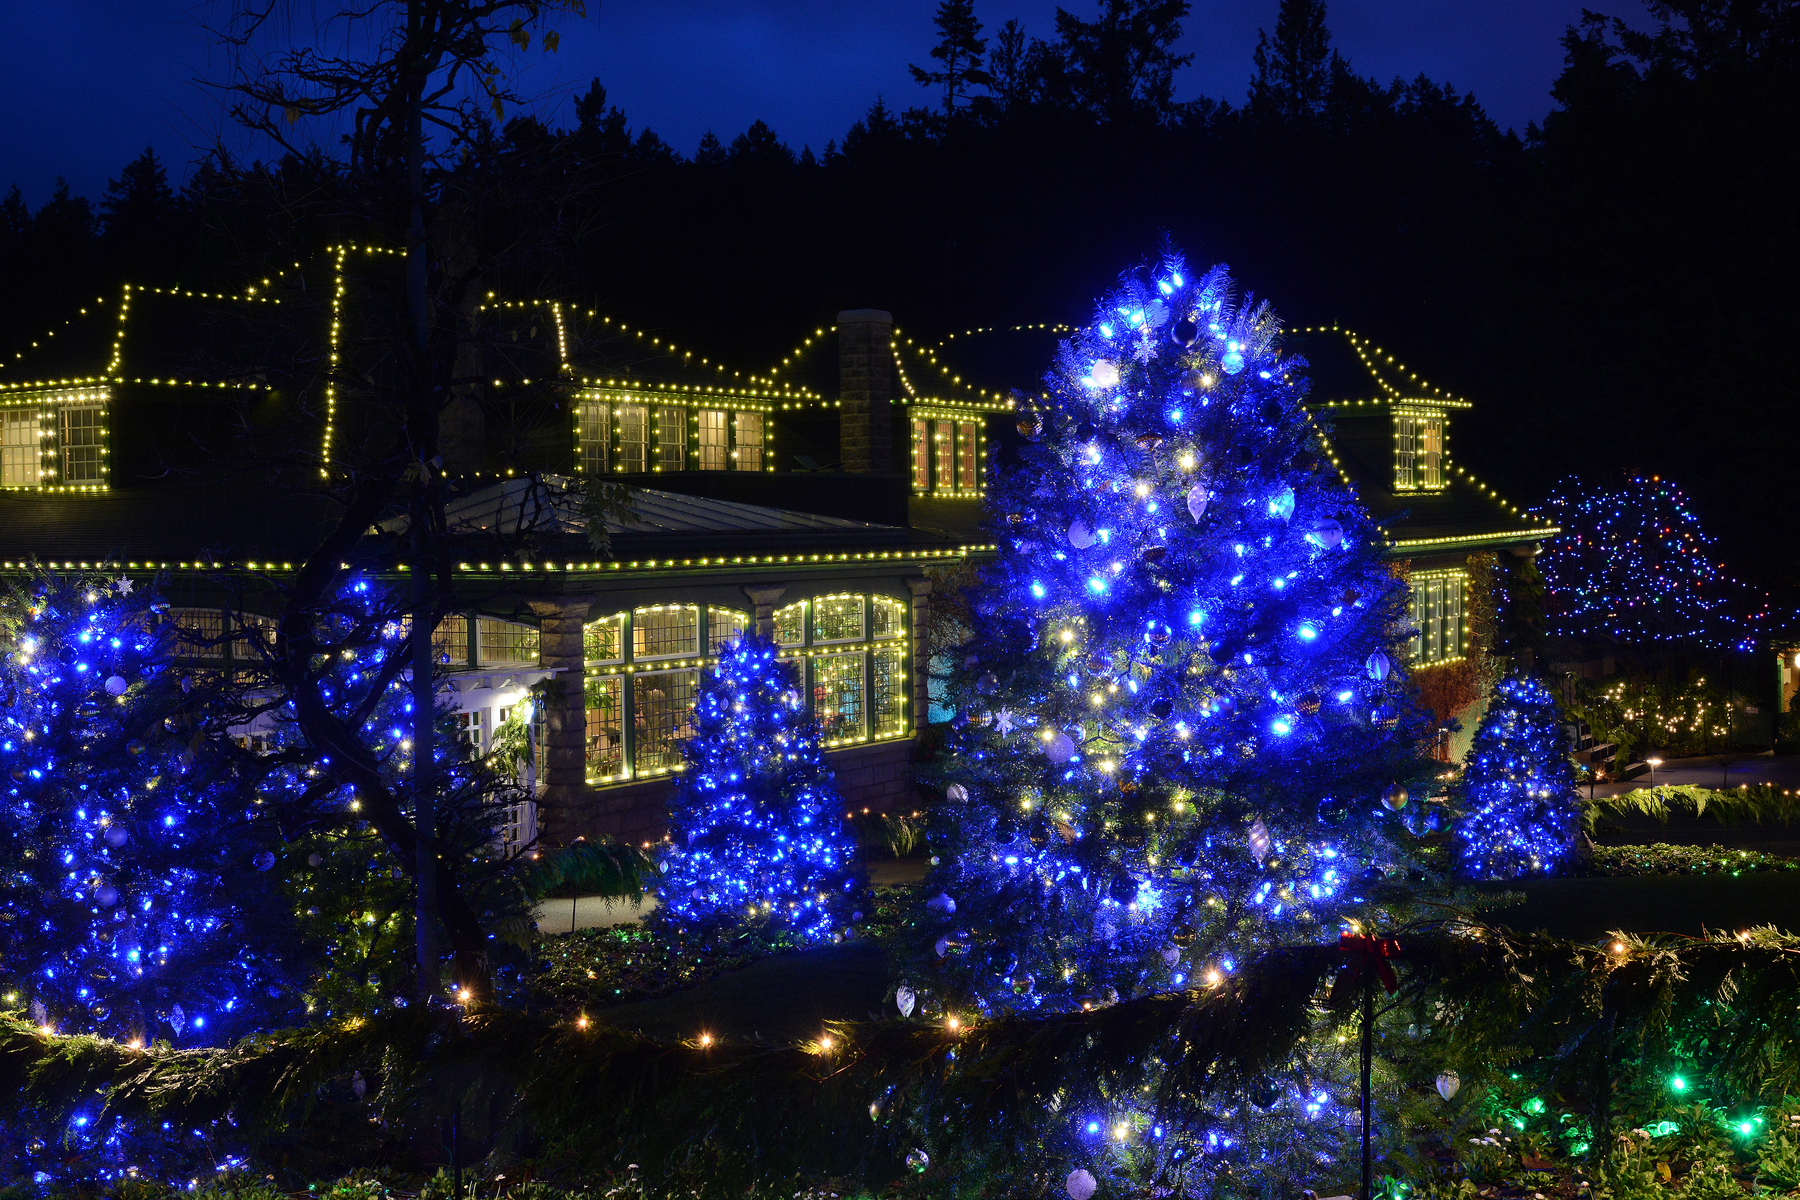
{"points": [[754, 826], [1521, 812]]}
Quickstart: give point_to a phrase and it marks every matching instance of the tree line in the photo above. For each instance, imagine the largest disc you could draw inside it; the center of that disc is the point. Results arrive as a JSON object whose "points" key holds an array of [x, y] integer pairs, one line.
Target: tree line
{"points": [[1609, 284]]}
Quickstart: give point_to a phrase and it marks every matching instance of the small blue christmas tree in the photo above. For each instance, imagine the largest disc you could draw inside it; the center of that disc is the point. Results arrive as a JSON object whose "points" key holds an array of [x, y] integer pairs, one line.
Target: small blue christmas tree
{"points": [[1521, 810], [753, 822]]}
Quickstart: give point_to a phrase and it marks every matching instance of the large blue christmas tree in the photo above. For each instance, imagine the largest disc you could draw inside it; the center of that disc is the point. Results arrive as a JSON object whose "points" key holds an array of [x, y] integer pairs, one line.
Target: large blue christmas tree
{"points": [[136, 895], [1521, 812], [755, 835], [1182, 736]]}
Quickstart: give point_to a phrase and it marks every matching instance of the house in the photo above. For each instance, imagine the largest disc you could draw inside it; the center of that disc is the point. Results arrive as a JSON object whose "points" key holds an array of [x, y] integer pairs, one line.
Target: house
{"points": [[176, 434]]}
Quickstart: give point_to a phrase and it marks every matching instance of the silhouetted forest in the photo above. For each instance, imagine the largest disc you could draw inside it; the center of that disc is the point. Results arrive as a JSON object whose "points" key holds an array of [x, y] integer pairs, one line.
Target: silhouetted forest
{"points": [[1614, 287]]}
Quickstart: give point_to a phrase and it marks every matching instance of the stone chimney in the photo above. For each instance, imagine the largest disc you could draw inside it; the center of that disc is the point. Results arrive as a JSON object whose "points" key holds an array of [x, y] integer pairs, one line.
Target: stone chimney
{"points": [[865, 391]]}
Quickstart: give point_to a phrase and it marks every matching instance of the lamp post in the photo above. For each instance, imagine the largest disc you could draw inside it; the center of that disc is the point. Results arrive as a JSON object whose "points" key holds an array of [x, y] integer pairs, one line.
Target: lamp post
{"points": [[1654, 763]]}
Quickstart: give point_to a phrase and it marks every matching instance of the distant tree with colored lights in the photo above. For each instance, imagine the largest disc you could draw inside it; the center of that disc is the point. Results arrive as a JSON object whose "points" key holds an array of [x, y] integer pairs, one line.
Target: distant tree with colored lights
{"points": [[137, 896], [1632, 563], [1521, 812], [1182, 736], [754, 826]]}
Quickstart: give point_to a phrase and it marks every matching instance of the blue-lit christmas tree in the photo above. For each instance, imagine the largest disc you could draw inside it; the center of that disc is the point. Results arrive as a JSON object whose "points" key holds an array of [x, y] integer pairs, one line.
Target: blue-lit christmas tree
{"points": [[754, 831], [1633, 564], [1183, 737], [136, 895], [1181, 713], [1521, 812]]}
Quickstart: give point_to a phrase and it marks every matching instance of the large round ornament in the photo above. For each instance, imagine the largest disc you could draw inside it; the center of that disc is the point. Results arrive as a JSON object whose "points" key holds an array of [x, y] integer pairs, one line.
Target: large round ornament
{"points": [[1184, 333], [956, 793], [1281, 504], [988, 684], [1031, 427], [918, 1160], [1171, 954], [1058, 747], [1196, 501], [263, 860], [106, 895], [1123, 889], [1105, 373], [1394, 797], [1385, 717], [1080, 536], [116, 836], [1327, 535], [1447, 1085], [1080, 1185], [116, 685], [1231, 362], [942, 904], [1379, 666]]}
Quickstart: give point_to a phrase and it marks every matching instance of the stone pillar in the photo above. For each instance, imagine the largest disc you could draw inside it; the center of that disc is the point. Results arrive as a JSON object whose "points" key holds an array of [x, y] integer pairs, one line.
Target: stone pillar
{"points": [[765, 596], [920, 587], [865, 391], [564, 800]]}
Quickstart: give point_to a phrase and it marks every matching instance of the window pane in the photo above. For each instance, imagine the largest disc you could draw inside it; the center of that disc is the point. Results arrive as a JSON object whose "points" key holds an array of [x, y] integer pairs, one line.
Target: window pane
{"points": [[596, 436], [723, 625], [890, 617], [967, 451], [252, 636], [665, 631], [921, 455], [505, 641], [887, 696], [671, 439], [1453, 617], [662, 718], [749, 441], [450, 641], [837, 618], [1404, 447], [468, 730], [199, 632], [1415, 612], [943, 435], [605, 728], [19, 446], [603, 641], [838, 695], [1430, 452], [790, 624], [1434, 620], [81, 444], [714, 452], [634, 437]]}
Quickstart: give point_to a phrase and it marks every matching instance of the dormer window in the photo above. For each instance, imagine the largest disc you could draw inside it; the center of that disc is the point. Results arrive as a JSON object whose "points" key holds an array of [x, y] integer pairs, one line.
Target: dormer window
{"points": [[1418, 450]]}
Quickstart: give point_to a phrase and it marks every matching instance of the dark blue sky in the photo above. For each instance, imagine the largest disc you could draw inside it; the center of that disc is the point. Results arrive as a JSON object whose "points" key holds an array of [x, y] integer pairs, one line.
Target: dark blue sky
{"points": [[89, 83]]}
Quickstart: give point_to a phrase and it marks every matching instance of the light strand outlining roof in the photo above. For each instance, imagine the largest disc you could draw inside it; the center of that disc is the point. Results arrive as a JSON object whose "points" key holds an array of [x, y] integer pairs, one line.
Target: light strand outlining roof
{"points": [[1377, 361], [990, 400], [187, 293]]}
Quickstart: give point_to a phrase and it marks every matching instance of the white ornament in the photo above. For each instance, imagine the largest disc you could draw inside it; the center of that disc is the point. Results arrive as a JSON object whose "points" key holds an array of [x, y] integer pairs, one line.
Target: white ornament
{"points": [[1447, 1084], [942, 904], [904, 999], [1105, 373], [39, 1014], [1259, 838], [1146, 348], [116, 685], [122, 585], [1058, 748], [178, 1019], [956, 793], [1080, 1184], [1080, 536], [1171, 953], [1379, 666], [918, 1160], [359, 1085], [1003, 721], [1196, 501], [1329, 535]]}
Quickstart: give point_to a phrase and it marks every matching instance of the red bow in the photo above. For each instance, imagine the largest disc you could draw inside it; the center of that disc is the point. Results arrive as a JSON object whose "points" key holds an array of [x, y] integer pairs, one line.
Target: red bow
{"points": [[1363, 953]]}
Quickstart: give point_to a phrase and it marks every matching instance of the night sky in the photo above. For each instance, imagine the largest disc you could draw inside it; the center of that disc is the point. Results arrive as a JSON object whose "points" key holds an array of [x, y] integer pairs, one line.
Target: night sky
{"points": [[91, 82]]}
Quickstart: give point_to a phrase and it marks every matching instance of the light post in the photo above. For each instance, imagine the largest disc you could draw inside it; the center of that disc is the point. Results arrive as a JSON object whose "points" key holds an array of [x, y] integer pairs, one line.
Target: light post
{"points": [[1654, 763]]}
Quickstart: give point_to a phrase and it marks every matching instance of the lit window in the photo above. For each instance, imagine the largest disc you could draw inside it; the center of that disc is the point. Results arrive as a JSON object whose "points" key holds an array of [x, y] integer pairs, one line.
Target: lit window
{"points": [[662, 718], [943, 440], [838, 695], [749, 441], [450, 641], [667, 631], [714, 452], [887, 690], [967, 451], [921, 455], [634, 439], [199, 632], [596, 436], [1418, 451], [605, 727], [671, 439], [723, 625], [81, 443], [838, 619], [790, 624], [502, 642], [468, 730], [1437, 616], [890, 617], [603, 641], [18, 447]]}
